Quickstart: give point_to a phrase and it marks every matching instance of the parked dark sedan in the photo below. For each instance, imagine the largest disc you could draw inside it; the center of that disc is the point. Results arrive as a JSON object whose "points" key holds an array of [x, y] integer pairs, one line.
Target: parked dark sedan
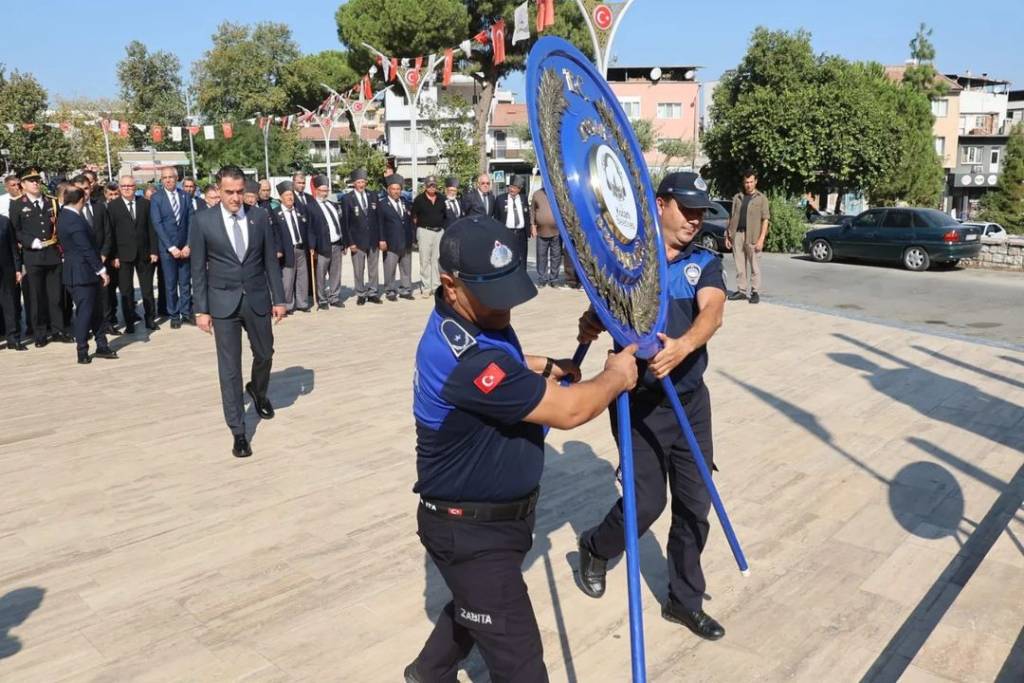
{"points": [[916, 238], [712, 232]]}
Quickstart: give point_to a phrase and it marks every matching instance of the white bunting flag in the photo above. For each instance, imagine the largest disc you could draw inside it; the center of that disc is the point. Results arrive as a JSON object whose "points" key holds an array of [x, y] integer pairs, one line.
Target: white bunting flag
{"points": [[115, 126], [467, 47], [522, 21], [141, 127], [176, 133], [10, 127], [208, 132]]}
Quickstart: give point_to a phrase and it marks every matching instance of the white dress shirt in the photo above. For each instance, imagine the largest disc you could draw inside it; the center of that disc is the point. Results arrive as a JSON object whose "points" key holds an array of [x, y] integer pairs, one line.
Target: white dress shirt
{"points": [[331, 216], [514, 214], [230, 229]]}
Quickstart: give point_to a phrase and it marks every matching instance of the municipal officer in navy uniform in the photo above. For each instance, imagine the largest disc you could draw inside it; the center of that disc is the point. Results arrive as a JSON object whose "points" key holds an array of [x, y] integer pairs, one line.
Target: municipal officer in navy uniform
{"points": [[697, 298], [480, 405]]}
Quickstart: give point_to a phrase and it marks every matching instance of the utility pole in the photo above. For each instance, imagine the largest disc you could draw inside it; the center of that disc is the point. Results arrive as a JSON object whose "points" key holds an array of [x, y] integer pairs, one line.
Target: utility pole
{"points": [[412, 84], [191, 146]]}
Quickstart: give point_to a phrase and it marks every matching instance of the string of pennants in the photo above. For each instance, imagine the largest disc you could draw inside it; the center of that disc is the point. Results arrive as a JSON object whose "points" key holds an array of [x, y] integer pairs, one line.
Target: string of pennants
{"points": [[361, 93]]}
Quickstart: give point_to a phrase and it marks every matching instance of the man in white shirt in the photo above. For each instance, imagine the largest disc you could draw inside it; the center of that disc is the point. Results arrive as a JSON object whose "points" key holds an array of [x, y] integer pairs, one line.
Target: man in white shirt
{"points": [[513, 211], [329, 238]]}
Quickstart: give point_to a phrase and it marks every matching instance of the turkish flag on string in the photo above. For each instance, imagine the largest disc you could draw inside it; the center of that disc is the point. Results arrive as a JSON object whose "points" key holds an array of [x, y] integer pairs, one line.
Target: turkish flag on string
{"points": [[482, 37], [498, 40], [157, 132], [367, 88], [394, 69], [105, 124], [227, 129], [29, 126], [194, 130], [545, 14], [65, 126], [449, 60], [419, 63], [124, 129]]}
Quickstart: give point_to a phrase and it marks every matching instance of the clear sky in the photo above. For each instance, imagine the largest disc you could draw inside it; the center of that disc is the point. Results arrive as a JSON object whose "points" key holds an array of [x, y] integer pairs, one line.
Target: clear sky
{"points": [[73, 50]]}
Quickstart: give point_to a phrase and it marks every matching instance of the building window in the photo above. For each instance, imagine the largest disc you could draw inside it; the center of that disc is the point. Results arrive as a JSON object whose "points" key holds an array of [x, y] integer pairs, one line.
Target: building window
{"points": [[940, 146], [670, 110], [940, 108], [963, 125], [994, 160], [631, 105], [970, 155]]}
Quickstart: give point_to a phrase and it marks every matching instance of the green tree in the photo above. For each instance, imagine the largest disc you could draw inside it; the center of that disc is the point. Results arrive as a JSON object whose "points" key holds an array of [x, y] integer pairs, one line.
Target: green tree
{"points": [[304, 79], [1005, 204], [243, 73], [86, 135], [151, 89], [921, 75], [450, 124], [23, 101], [644, 131], [361, 154], [245, 149], [410, 28]]}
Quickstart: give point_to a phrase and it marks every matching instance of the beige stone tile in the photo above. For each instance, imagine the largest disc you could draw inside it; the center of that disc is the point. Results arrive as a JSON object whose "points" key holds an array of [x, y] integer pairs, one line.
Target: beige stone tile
{"points": [[963, 655]]}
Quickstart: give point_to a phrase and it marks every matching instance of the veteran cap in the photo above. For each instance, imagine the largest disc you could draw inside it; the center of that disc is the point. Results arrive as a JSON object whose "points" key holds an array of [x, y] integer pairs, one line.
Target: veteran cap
{"points": [[451, 181], [319, 181], [359, 174], [478, 251], [285, 186], [252, 187], [688, 188]]}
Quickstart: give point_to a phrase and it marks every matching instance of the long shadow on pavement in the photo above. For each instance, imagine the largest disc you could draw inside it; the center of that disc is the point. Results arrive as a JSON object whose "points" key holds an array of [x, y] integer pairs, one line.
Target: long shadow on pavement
{"points": [[984, 372], [15, 608], [286, 386]]}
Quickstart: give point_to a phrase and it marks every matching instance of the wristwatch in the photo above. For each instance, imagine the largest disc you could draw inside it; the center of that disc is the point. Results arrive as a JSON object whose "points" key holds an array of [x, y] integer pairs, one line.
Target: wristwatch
{"points": [[548, 366]]}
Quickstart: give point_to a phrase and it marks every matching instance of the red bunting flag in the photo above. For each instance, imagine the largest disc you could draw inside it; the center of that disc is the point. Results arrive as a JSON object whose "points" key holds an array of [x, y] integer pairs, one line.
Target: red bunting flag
{"points": [[227, 129], [367, 88], [105, 124], [482, 37], [498, 40], [449, 59], [545, 14], [194, 130], [124, 129], [419, 63], [157, 132], [65, 126], [394, 69], [29, 126]]}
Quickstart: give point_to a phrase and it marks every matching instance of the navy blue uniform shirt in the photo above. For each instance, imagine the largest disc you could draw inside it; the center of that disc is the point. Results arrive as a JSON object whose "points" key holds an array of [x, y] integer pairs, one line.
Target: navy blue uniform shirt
{"points": [[471, 391], [692, 270]]}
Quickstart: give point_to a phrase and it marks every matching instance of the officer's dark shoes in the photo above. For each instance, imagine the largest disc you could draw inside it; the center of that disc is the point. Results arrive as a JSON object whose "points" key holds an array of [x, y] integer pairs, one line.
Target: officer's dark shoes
{"points": [[40, 343], [412, 675], [106, 352], [241, 448], [63, 338], [175, 324], [360, 301], [261, 403], [592, 570], [407, 296], [737, 296], [84, 359], [698, 621], [755, 298], [375, 300]]}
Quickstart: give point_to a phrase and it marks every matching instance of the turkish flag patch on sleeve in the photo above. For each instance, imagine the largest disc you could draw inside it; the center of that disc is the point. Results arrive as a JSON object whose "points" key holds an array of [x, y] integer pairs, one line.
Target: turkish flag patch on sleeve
{"points": [[490, 378]]}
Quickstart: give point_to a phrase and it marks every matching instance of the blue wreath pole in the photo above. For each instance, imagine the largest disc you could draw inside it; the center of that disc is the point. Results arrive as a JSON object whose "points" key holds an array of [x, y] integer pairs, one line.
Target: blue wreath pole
{"points": [[636, 613], [705, 474]]}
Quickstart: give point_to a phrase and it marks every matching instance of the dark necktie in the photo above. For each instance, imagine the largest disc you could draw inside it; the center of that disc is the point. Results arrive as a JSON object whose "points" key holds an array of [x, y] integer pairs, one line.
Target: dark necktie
{"points": [[290, 217], [88, 212], [131, 210], [362, 201], [236, 227]]}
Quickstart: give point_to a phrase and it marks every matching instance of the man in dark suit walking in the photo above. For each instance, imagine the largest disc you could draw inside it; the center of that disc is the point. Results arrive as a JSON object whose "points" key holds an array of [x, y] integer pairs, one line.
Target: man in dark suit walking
{"points": [[83, 274], [480, 201], [360, 208], [237, 284], [94, 211], [396, 237], [292, 241], [171, 212], [513, 211], [135, 252], [10, 278]]}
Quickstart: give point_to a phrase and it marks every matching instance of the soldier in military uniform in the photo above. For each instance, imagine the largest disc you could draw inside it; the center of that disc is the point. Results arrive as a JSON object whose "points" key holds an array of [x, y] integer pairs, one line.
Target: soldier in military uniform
{"points": [[34, 218]]}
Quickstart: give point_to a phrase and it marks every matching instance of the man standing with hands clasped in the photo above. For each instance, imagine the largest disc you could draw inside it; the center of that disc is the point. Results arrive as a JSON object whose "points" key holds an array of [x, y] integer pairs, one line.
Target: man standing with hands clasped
{"points": [[748, 228], [696, 300], [237, 284]]}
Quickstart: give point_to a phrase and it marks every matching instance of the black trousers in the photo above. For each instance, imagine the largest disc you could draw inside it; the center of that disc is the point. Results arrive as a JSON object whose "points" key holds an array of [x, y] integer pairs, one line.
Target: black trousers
{"points": [[549, 258], [109, 296], [481, 563], [126, 283], [88, 316], [520, 242], [46, 297], [227, 334], [660, 451], [8, 291]]}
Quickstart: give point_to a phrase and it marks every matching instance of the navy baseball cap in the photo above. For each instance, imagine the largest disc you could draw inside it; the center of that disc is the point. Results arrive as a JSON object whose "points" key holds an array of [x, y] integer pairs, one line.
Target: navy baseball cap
{"points": [[688, 188], [478, 251]]}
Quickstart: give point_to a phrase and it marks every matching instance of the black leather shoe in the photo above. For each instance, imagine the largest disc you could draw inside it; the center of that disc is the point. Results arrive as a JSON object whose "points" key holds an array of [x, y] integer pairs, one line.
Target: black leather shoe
{"points": [[737, 296], [84, 359], [262, 405], [322, 307], [391, 296], [110, 330], [40, 343], [698, 621], [129, 327], [106, 352], [338, 304], [63, 338], [189, 320], [755, 298], [304, 310], [241, 448], [15, 345], [592, 571], [151, 325], [411, 674], [360, 301], [375, 300], [175, 324], [407, 296]]}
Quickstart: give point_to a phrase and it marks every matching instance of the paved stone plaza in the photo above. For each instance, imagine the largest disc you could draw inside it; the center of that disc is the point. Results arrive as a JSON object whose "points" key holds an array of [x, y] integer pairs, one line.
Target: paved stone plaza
{"points": [[874, 477]]}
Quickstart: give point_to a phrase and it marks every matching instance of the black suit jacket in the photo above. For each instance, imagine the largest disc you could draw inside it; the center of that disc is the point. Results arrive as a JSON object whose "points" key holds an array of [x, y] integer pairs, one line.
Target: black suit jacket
{"points": [[473, 205], [81, 254], [31, 223], [134, 240], [501, 209], [320, 230], [10, 258], [285, 244], [219, 279], [100, 227], [362, 225], [449, 215], [396, 230]]}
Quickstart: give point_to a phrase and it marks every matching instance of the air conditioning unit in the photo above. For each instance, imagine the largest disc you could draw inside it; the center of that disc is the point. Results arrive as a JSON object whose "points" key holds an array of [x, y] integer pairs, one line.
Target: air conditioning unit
{"points": [[431, 150]]}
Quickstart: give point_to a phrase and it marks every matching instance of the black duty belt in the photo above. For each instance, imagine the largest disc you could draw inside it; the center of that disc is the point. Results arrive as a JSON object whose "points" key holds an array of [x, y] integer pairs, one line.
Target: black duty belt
{"points": [[483, 512]]}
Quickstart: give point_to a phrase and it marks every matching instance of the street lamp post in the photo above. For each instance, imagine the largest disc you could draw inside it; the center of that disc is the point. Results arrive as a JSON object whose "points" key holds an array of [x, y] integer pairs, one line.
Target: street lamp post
{"points": [[603, 20], [326, 124], [412, 83], [266, 143], [191, 146]]}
